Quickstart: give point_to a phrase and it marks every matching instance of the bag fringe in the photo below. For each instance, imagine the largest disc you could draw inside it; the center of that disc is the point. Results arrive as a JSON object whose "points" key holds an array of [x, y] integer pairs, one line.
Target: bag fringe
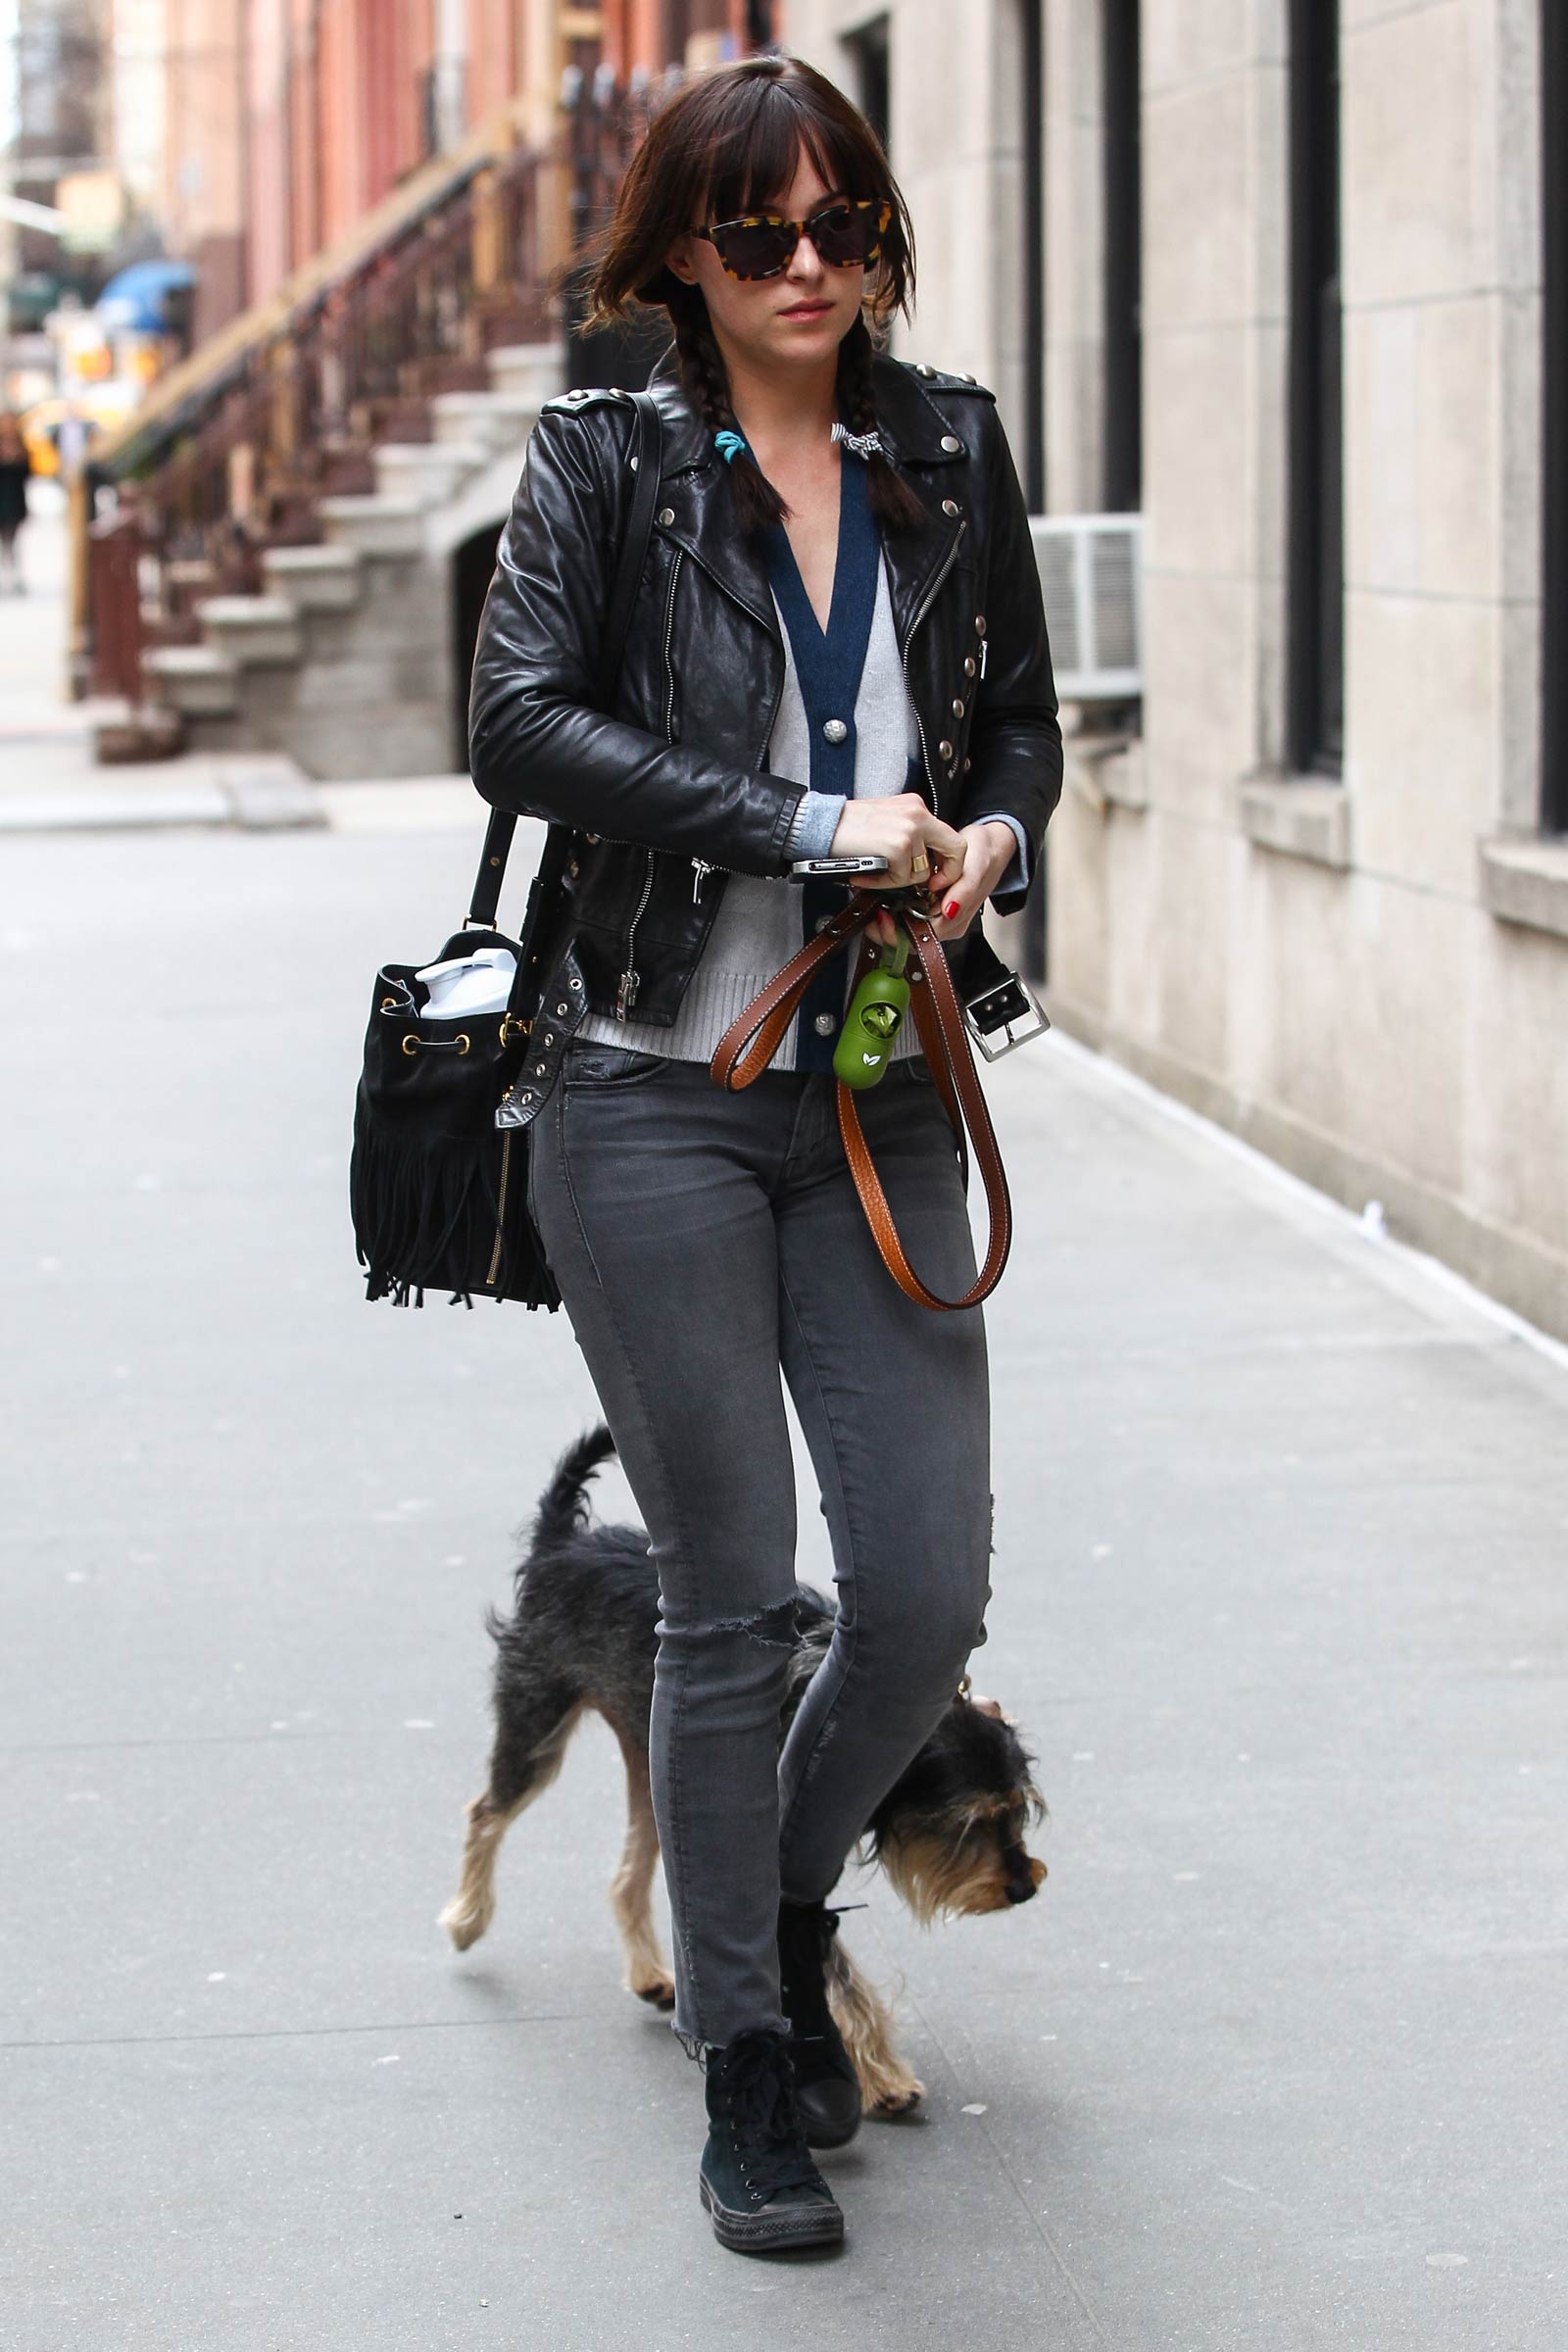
{"points": [[426, 1212]]}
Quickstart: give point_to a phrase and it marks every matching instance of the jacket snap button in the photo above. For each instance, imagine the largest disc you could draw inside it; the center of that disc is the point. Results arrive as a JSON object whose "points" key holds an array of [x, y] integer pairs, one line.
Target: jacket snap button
{"points": [[951, 444], [561, 1009], [957, 705], [979, 624], [572, 867], [968, 666], [825, 1024], [666, 516], [950, 505], [968, 763], [944, 751], [834, 730], [591, 836]]}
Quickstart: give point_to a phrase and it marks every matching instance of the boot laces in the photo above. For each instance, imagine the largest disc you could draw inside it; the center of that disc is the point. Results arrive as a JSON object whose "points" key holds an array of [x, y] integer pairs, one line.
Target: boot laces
{"points": [[759, 2092]]}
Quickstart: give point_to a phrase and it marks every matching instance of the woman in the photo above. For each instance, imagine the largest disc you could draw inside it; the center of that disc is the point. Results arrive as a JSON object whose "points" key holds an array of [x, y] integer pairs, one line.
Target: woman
{"points": [[15, 467], [838, 647]]}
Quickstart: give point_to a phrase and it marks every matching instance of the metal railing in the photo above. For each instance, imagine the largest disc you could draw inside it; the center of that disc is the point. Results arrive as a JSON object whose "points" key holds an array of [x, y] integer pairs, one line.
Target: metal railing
{"points": [[237, 445]]}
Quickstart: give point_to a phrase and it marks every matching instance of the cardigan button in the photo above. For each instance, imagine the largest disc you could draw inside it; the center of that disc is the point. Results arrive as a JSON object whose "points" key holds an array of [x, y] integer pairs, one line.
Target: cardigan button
{"points": [[834, 730], [951, 444]]}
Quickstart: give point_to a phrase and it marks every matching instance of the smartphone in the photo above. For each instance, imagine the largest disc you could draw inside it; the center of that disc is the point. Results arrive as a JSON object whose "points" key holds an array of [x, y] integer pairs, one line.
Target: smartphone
{"points": [[840, 865]]}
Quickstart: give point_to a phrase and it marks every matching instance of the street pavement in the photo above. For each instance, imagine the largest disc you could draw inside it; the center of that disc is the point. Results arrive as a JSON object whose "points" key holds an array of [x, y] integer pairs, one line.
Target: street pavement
{"points": [[1275, 2059]]}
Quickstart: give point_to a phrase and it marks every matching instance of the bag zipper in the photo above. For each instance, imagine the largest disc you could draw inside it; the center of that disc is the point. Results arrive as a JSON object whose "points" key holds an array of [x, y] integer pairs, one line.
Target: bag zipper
{"points": [[501, 1210]]}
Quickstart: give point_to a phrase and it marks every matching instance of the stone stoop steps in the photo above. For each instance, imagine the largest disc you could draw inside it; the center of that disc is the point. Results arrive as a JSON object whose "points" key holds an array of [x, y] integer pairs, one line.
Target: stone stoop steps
{"points": [[345, 660]]}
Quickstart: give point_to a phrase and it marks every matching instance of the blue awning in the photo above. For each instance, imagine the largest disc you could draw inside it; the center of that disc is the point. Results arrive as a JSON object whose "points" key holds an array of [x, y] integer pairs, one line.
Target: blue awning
{"points": [[136, 297]]}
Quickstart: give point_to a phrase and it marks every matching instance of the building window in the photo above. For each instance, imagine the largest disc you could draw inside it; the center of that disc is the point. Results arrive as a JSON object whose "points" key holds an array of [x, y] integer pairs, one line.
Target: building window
{"points": [[1123, 486], [868, 52], [1315, 584], [1032, 91], [1555, 396]]}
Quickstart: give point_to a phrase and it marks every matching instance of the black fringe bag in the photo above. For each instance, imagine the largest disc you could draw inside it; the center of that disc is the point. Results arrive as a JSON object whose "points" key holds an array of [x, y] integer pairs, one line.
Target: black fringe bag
{"points": [[439, 1195]]}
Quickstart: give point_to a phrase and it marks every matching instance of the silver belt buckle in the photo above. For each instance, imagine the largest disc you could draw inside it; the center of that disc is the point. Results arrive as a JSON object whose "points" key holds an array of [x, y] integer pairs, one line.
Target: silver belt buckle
{"points": [[999, 1009]]}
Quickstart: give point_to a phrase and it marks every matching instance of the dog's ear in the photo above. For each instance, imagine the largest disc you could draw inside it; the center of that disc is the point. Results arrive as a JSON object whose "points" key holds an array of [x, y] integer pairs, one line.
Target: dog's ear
{"points": [[987, 1706]]}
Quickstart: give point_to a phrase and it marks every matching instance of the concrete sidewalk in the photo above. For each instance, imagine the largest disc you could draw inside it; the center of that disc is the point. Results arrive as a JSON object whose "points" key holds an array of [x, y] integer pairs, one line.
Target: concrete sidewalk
{"points": [[50, 781], [1276, 2059]]}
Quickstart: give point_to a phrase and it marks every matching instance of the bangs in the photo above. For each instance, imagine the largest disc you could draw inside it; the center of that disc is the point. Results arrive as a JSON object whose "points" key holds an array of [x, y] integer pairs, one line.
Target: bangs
{"points": [[727, 143], [755, 153]]}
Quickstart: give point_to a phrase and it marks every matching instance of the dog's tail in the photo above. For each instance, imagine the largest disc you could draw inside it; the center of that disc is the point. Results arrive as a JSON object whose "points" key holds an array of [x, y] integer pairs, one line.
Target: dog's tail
{"points": [[564, 1504]]}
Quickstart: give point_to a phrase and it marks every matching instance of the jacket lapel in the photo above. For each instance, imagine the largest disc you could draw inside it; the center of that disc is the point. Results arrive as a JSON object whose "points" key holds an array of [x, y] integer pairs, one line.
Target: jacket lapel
{"points": [[702, 523]]}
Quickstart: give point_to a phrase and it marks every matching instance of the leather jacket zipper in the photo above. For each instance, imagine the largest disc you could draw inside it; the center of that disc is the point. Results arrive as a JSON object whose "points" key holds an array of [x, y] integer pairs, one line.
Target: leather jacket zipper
{"points": [[631, 979], [926, 601], [669, 631], [701, 867]]}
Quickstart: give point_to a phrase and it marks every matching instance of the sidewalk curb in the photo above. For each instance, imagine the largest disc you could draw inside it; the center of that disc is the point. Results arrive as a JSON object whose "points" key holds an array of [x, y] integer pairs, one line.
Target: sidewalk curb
{"points": [[250, 793]]}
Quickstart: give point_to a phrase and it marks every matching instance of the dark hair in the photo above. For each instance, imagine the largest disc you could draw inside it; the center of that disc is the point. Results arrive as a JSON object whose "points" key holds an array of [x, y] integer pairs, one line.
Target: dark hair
{"points": [[723, 145]]}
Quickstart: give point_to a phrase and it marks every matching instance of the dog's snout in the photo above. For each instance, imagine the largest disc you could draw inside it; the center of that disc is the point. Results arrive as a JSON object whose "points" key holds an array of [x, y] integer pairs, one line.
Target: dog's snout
{"points": [[1023, 1876]]}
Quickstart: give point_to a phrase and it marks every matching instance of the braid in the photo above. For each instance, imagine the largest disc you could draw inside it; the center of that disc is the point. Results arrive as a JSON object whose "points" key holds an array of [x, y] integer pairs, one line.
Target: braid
{"points": [[893, 502], [705, 380]]}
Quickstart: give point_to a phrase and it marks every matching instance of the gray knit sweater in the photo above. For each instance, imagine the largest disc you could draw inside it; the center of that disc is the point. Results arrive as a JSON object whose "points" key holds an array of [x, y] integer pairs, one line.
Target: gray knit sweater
{"points": [[758, 926]]}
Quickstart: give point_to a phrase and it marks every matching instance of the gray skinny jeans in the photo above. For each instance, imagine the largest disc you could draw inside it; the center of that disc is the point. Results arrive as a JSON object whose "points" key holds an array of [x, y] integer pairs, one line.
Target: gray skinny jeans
{"points": [[703, 1241]]}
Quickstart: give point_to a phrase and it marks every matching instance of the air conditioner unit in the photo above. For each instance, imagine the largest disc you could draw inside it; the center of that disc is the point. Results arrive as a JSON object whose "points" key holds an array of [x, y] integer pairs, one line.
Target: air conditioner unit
{"points": [[1090, 573]]}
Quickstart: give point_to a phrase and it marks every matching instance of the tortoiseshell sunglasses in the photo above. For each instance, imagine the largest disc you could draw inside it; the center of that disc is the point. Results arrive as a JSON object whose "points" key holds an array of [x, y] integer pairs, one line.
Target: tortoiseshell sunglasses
{"points": [[848, 233]]}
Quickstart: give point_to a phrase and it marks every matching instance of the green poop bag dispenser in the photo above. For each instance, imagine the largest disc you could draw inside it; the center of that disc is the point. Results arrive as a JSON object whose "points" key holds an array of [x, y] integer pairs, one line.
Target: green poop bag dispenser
{"points": [[874, 1017]]}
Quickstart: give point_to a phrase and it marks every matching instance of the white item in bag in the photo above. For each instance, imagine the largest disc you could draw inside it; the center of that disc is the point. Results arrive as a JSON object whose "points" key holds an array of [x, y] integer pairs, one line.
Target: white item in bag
{"points": [[476, 983]]}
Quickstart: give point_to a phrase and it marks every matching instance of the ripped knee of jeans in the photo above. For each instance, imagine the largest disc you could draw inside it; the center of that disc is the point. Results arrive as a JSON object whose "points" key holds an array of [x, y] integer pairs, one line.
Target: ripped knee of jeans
{"points": [[773, 1628]]}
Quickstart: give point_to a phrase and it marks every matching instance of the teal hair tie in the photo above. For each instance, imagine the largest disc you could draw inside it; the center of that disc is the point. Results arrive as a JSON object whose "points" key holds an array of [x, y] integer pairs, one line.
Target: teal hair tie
{"points": [[728, 446]]}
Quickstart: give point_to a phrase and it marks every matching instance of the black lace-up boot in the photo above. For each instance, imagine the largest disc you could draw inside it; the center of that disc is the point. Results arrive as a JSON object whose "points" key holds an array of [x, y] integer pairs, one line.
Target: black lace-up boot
{"points": [[827, 2090], [757, 2178]]}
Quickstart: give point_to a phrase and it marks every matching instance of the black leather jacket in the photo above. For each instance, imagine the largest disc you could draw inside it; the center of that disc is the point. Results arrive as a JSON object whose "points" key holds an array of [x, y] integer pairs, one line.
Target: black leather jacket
{"points": [[669, 793]]}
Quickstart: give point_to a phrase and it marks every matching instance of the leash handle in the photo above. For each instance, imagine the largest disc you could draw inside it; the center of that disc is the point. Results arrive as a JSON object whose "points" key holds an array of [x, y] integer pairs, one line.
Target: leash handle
{"points": [[755, 1036]]}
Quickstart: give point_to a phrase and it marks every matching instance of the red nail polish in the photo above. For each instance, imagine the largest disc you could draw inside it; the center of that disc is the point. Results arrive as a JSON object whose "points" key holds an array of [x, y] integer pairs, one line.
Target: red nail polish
{"points": [[950, 909]]}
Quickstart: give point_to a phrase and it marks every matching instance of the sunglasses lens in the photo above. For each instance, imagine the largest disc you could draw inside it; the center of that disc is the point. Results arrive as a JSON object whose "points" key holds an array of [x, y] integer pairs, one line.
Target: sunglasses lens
{"points": [[844, 234], [753, 249]]}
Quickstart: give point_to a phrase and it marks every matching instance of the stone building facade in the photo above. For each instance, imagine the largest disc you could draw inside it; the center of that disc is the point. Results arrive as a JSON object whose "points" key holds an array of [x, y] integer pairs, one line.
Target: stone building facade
{"points": [[1304, 304]]}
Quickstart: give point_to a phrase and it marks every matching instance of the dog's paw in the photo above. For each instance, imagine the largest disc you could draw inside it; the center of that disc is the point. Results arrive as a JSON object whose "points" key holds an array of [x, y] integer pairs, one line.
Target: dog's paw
{"points": [[465, 1921], [898, 2095], [658, 1991]]}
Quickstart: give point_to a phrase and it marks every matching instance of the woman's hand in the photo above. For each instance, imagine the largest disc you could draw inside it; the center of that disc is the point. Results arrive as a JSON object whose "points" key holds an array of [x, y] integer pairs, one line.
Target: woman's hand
{"points": [[902, 828], [992, 849]]}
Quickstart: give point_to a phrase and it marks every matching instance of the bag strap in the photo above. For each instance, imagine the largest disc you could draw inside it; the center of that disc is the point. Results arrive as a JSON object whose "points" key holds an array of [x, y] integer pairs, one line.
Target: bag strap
{"points": [[503, 823], [753, 1036]]}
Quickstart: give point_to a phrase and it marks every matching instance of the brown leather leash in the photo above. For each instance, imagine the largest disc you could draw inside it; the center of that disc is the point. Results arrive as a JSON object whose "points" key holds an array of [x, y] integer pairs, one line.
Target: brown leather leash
{"points": [[755, 1036]]}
